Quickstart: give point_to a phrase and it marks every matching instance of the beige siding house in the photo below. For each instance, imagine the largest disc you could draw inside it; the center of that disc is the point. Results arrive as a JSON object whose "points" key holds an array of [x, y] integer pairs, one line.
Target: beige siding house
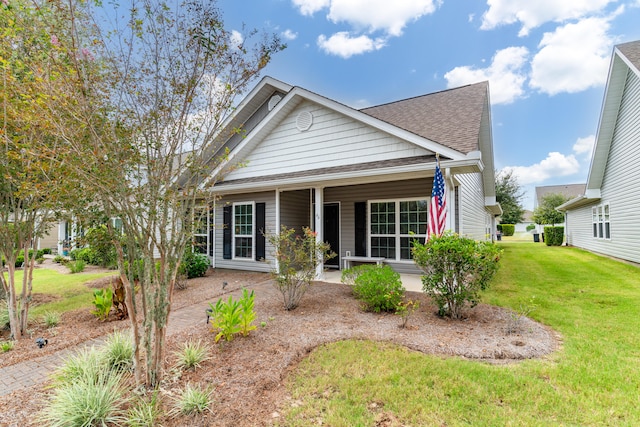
{"points": [[361, 178], [606, 218]]}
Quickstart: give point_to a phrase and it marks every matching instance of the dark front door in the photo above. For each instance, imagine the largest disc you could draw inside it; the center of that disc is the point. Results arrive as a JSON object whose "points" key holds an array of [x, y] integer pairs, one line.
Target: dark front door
{"points": [[331, 229]]}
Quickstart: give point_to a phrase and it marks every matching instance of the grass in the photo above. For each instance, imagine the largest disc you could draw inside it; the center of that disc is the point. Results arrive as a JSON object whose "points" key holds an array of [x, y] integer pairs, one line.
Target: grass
{"points": [[68, 287], [594, 379]]}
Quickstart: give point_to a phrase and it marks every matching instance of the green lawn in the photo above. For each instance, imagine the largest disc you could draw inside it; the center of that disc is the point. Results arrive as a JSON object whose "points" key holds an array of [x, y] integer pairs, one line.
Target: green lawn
{"points": [[594, 379], [69, 288]]}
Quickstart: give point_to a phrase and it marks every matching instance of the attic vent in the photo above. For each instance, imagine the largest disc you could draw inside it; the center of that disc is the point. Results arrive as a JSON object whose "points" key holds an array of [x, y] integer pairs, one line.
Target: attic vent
{"points": [[304, 121], [274, 101]]}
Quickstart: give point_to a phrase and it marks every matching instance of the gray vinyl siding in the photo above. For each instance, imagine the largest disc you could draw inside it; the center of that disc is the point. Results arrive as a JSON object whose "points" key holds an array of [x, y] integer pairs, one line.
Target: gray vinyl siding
{"points": [[474, 218], [619, 187], [295, 209], [349, 195], [270, 220]]}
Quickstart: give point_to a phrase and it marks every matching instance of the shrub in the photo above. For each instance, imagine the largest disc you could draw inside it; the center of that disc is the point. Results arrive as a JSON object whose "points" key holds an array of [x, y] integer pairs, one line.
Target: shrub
{"points": [[102, 251], [59, 259], [297, 258], [102, 301], [46, 251], [405, 310], [194, 264], [531, 227], [457, 269], [51, 319], [84, 365], [191, 355], [118, 352], [553, 236], [76, 266], [508, 229], [193, 400], [499, 227], [233, 317], [378, 286], [6, 346]]}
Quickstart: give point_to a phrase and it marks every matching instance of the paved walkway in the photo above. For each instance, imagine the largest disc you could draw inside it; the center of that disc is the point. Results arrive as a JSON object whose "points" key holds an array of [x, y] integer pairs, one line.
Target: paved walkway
{"points": [[36, 371]]}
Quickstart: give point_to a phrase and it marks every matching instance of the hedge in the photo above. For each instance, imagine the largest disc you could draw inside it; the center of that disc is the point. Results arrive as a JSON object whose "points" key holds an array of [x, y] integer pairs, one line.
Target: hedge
{"points": [[553, 236], [508, 229]]}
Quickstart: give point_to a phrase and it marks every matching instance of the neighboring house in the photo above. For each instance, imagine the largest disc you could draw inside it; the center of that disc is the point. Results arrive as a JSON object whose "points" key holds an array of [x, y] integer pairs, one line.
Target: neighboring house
{"points": [[570, 191], [361, 179], [606, 217]]}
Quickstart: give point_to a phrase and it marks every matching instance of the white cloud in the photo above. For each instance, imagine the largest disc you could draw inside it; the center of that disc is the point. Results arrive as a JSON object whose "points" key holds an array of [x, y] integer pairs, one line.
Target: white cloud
{"points": [[573, 58], [372, 15], [344, 45], [584, 145], [532, 14], [289, 35], [236, 39], [505, 74], [556, 164], [309, 7]]}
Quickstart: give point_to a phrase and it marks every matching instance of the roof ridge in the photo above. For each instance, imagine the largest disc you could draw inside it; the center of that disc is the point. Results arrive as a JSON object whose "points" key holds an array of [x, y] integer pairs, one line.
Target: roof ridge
{"points": [[424, 95]]}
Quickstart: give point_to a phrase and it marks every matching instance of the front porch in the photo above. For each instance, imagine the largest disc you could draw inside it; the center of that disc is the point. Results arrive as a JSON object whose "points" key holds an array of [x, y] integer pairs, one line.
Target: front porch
{"points": [[411, 282]]}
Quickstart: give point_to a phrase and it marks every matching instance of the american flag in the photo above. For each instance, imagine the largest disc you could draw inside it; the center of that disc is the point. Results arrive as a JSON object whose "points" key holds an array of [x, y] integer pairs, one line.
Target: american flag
{"points": [[437, 210]]}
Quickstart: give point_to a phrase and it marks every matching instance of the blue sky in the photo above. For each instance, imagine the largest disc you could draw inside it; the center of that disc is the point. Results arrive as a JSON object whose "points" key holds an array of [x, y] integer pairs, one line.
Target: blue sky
{"points": [[546, 62]]}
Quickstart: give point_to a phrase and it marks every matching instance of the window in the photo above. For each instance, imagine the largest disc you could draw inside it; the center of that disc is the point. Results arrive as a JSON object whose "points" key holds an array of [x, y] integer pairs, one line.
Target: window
{"points": [[243, 230], [394, 225], [601, 220], [200, 229]]}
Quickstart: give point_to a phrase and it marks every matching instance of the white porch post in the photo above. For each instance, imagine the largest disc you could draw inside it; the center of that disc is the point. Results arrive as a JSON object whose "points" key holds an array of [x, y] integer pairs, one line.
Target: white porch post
{"points": [[277, 230], [319, 222], [450, 189]]}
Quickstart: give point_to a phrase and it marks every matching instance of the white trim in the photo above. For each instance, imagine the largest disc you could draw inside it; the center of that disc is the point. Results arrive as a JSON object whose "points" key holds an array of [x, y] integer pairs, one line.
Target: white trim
{"points": [[397, 235], [253, 231]]}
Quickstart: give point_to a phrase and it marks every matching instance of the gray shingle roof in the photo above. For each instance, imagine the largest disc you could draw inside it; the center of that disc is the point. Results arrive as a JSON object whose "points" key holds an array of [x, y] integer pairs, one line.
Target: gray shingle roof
{"points": [[568, 190], [451, 117], [631, 51]]}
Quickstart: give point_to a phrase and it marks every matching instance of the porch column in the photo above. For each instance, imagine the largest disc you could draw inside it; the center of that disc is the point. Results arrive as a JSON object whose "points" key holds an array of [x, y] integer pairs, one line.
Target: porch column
{"points": [[277, 230], [319, 222]]}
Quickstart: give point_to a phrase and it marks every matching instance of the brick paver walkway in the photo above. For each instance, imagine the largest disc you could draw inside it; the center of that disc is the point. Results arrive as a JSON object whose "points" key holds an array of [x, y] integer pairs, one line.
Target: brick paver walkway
{"points": [[36, 371]]}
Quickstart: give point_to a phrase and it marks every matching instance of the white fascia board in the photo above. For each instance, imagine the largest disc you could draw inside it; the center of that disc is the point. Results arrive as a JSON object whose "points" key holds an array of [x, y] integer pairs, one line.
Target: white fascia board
{"points": [[297, 94], [345, 178], [590, 196]]}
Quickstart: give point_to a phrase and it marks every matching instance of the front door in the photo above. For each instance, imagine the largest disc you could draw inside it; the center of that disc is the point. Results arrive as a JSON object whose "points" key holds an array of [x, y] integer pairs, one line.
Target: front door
{"points": [[331, 232]]}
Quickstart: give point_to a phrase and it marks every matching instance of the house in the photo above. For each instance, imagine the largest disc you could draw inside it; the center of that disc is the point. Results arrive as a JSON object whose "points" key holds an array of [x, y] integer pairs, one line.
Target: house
{"points": [[606, 217], [361, 179], [569, 191]]}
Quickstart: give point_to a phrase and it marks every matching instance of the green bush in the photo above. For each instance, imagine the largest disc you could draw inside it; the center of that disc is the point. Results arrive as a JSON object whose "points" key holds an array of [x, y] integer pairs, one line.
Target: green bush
{"points": [[456, 270], [191, 355], [531, 227], [553, 236], [378, 286], [76, 266], [46, 251], [102, 301], [499, 227], [103, 252], [233, 317], [192, 400], [118, 352], [508, 229], [59, 259], [194, 264]]}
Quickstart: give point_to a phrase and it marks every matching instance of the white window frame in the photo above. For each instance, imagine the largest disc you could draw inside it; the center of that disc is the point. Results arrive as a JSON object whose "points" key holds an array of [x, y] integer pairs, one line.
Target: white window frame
{"points": [[396, 235], [234, 235], [601, 221], [204, 226]]}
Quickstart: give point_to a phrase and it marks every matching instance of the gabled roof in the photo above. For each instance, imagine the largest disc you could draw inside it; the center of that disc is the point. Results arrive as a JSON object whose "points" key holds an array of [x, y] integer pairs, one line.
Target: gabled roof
{"points": [[568, 190], [625, 60], [451, 117]]}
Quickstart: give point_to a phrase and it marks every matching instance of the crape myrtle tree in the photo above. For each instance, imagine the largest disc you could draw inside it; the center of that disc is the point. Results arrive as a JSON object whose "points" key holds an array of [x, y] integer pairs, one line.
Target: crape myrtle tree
{"points": [[509, 195], [31, 191], [141, 118], [546, 212]]}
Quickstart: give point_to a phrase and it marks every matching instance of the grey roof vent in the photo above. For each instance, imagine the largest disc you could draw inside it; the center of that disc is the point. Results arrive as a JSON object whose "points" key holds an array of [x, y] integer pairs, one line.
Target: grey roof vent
{"points": [[304, 121], [274, 101]]}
